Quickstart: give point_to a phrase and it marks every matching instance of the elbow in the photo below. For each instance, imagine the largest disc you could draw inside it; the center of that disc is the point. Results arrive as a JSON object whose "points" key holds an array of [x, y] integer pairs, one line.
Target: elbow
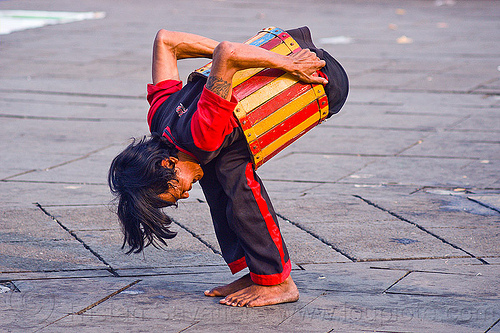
{"points": [[225, 52], [163, 36]]}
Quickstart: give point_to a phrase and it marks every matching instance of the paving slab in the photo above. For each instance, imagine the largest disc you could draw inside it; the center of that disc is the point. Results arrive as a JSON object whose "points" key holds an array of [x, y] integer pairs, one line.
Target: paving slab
{"points": [[336, 209], [35, 242], [347, 312], [388, 118], [333, 167], [25, 194], [440, 208], [79, 169], [482, 146], [446, 172], [437, 284], [383, 240], [357, 141], [41, 302], [83, 106], [483, 120], [184, 249]]}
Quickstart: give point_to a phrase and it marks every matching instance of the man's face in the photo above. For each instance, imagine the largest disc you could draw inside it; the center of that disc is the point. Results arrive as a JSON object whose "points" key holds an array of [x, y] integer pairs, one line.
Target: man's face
{"points": [[187, 173]]}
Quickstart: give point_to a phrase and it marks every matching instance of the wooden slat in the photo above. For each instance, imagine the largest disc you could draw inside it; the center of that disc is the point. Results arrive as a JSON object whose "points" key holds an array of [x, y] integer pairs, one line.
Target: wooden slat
{"points": [[283, 113], [271, 44], [268, 36], [277, 102], [286, 140], [290, 43], [264, 94], [257, 36], [257, 81], [281, 129]]}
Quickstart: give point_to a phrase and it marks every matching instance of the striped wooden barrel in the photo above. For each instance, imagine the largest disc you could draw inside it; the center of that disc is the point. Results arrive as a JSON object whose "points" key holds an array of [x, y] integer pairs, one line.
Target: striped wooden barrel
{"points": [[274, 109]]}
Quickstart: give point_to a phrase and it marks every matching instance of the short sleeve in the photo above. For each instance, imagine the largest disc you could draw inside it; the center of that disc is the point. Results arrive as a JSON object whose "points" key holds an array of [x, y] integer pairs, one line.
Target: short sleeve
{"points": [[159, 93]]}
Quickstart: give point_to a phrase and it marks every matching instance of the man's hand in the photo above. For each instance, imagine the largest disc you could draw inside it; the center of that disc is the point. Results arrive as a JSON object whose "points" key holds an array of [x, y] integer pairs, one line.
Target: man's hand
{"points": [[304, 65]]}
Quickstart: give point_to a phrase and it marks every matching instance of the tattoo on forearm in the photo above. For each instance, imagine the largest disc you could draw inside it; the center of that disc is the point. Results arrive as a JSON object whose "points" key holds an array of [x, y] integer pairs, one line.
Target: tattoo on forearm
{"points": [[218, 86]]}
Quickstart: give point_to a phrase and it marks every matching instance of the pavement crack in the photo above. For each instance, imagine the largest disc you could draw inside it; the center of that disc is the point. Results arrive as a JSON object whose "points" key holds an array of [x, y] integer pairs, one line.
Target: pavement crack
{"points": [[60, 164], [300, 309], [458, 122], [399, 217], [318, 237], [186, 328], [82, 311], [493, 325], [75, 236], [395, 282], [79, 158], [484, 205], [198, 237]]}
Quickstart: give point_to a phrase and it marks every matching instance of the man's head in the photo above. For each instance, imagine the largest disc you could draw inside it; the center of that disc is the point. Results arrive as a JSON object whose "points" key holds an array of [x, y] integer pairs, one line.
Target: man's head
{"points": [[138, 177], [187, 172]]}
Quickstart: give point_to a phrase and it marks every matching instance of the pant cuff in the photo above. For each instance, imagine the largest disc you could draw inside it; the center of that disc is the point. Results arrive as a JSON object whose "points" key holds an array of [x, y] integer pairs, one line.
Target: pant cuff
{"points": [[237, 265], [273, 279]]}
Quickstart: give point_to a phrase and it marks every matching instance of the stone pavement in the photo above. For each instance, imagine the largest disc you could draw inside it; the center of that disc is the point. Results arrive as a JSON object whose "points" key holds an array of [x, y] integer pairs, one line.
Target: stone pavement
{"points": [[390, 210]]}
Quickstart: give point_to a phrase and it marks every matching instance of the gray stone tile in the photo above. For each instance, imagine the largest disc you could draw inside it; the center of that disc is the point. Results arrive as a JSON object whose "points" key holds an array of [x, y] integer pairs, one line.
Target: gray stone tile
{"points": [[332, 139], [480, 241], [461, 266], [102, 234], [414, 171], [45, 255], [479, 286], [439, 209], [392, 118], [348, 312], [31, 241], [126, 322], [85, 218], [385, 80], [383, 240], [41, 302], [304, 248], [337, 208], [458, 144], [483, 120], [24, 194], [63, 107], [29, 224], [444, 82], [332, 167], [182, 250]]}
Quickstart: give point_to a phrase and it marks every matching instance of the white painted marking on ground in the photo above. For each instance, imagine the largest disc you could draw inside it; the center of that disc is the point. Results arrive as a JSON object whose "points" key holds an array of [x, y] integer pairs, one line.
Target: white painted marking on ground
{"points": [[18, 20], [336, 40]]}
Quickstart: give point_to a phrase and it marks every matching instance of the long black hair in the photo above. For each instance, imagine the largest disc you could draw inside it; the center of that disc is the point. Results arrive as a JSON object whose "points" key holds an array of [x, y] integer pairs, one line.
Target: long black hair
{"points": [[136, 178]]}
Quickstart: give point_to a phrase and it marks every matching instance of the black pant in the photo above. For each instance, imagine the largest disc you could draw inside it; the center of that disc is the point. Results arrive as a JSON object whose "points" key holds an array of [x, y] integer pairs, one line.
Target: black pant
{"points": [[244, 219]]}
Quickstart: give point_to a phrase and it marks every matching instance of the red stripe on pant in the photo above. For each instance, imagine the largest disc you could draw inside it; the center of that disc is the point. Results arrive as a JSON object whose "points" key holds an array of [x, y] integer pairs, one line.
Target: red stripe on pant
{"points": [[274, 232], [237, 265]]}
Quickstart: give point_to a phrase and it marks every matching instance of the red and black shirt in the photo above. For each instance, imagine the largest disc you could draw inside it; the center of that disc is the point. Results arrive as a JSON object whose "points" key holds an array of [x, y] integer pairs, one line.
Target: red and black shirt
{"points": [[196, 120]]}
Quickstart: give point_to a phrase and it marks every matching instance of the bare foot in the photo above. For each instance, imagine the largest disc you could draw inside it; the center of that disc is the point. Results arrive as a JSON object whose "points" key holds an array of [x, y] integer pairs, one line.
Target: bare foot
{"points": [[230, 288], [258, 295]]}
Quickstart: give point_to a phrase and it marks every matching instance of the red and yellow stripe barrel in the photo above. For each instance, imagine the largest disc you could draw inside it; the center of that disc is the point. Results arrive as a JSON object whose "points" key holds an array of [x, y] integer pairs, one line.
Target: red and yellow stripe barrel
{"points": [[274, 109]]}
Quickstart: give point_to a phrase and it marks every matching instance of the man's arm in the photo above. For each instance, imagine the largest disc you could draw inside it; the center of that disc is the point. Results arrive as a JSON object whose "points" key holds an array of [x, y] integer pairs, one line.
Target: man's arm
{"points": [[170, 46], [228, 58]]}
